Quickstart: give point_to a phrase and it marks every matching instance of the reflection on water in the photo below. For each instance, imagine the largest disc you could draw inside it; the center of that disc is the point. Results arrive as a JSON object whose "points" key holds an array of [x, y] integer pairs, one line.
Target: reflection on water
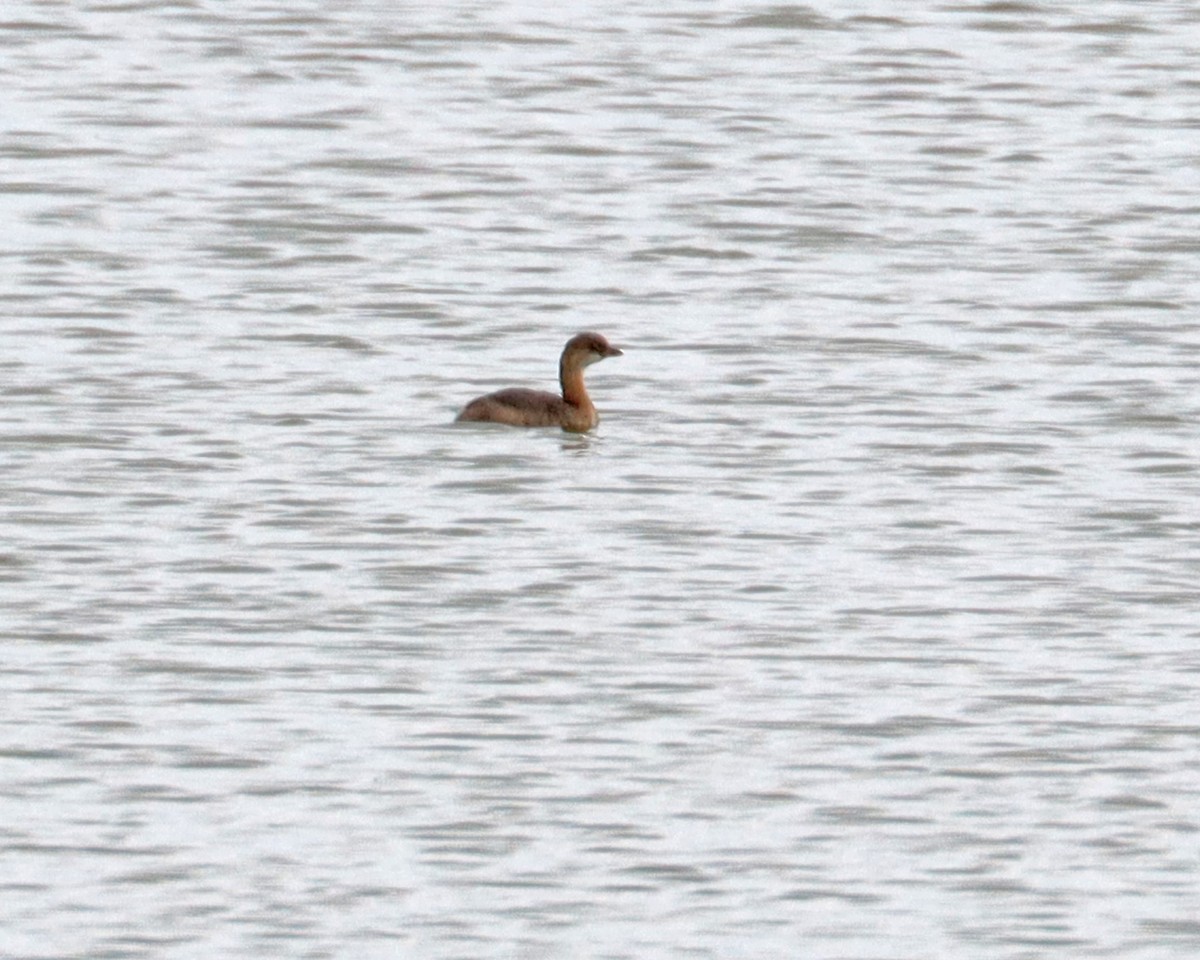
{"points": [[865, 619]]}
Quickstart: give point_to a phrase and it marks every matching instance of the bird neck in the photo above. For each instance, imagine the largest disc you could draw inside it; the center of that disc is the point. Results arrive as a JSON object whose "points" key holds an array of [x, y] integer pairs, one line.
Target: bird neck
{"points": [[570, 376]]}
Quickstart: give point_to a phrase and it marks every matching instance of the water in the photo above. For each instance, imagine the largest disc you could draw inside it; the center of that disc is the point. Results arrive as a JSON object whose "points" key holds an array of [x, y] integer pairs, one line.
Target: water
{"points": [[865, 625]]}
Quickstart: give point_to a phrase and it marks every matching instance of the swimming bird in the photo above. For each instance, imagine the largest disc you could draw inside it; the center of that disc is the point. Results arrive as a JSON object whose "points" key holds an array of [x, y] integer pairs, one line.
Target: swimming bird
{"points": [[574, 410]]}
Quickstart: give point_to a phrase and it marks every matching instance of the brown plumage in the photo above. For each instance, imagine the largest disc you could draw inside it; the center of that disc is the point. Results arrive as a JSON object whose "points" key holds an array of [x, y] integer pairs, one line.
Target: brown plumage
{"points": [[573, 411]]}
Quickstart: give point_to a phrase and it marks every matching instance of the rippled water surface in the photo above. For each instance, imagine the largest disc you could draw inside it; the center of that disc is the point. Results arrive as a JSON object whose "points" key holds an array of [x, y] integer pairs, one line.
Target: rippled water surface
{"points": [[865, 626]]}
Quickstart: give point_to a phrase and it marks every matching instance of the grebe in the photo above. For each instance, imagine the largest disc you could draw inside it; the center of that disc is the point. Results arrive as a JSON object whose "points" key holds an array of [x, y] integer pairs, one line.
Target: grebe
{"points": [[573, 411]]}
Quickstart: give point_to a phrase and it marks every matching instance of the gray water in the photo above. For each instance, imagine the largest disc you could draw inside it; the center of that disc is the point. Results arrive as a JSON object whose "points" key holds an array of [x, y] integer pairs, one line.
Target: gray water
{"points": [[865, 625]]}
